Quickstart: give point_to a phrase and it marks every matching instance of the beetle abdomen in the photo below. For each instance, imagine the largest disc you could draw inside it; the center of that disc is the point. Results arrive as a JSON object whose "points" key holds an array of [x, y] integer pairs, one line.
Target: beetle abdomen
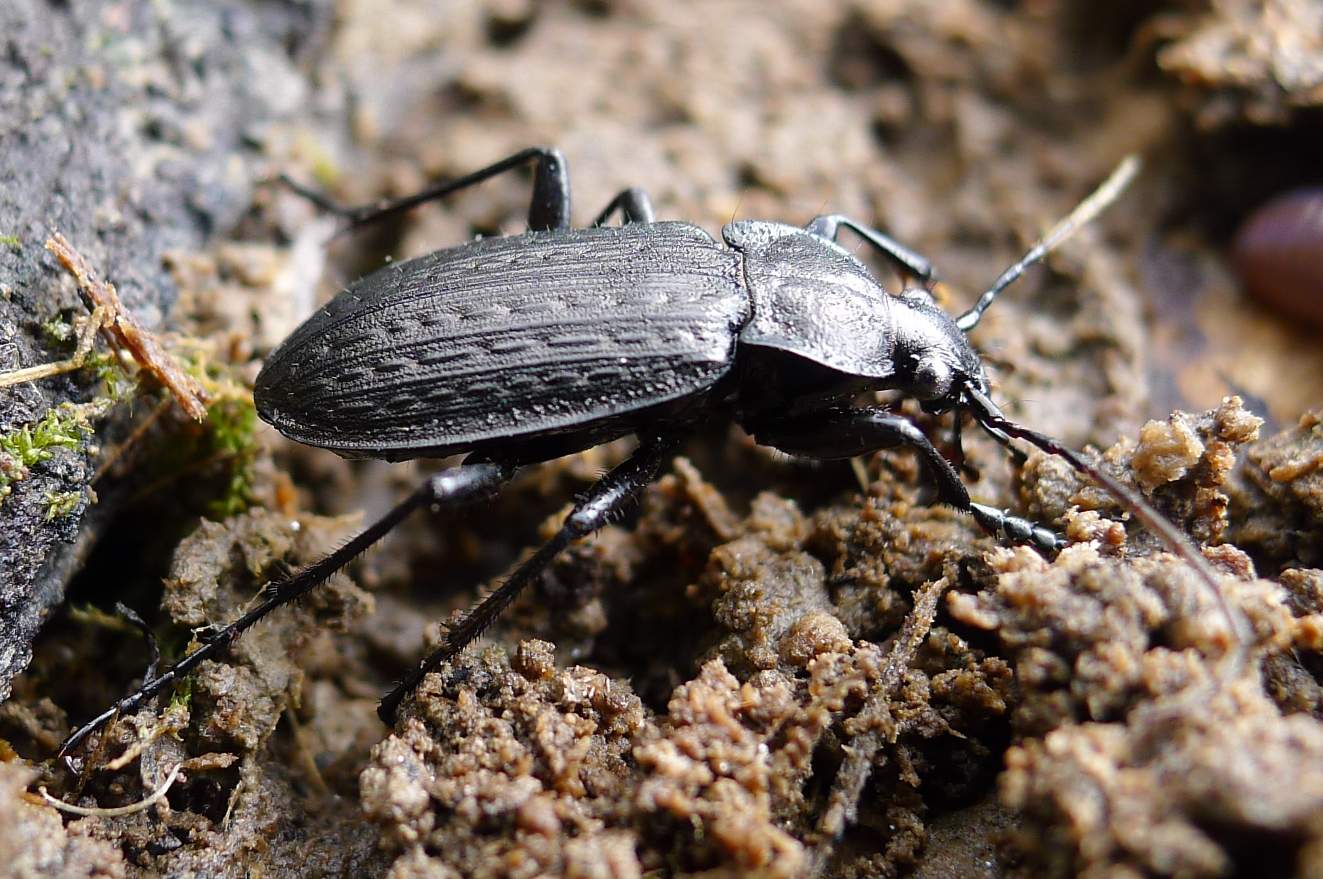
{"points": [[509, 337]]}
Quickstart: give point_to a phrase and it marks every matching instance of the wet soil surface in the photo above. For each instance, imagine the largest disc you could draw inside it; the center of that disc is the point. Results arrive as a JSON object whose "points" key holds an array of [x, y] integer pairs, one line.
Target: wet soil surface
{"points": [[771, 668]]}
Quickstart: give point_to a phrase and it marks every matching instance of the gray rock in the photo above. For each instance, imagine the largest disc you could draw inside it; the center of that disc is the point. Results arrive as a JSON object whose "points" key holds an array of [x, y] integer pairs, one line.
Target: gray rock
{"points": [[134, 128]]}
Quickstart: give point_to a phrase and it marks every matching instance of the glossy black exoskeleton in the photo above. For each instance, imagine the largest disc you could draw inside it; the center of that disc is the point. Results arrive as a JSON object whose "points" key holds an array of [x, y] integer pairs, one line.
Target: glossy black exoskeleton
{"points": [[526, 348]]}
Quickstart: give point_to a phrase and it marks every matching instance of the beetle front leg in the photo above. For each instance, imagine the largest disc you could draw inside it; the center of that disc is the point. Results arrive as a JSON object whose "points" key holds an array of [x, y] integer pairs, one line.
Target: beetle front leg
{"points": [[605, 499], [549, 209], [452, 487], [848, 432], [829, 226]]}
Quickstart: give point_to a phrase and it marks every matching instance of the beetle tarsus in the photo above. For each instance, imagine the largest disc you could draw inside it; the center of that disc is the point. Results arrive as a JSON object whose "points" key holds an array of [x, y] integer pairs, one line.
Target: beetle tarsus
{"points": [[1013, 529]]}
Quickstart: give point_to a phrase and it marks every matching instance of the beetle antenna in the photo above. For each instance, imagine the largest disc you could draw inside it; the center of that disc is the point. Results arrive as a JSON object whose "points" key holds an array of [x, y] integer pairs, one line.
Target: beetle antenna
{"points": [[1083, 214], [1176, 542]]}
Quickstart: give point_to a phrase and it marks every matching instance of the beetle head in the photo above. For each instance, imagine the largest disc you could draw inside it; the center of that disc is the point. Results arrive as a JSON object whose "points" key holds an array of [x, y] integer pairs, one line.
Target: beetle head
{"points": [[935, 361]]}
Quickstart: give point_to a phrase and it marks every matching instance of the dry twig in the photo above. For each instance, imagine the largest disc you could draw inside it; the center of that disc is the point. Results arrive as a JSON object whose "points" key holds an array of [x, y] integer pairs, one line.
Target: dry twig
{"points": [[125, 333]]}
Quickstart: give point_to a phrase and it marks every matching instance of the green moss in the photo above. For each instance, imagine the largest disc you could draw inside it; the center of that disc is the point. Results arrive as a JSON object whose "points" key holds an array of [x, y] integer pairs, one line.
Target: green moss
{"points": [[117, 385], [67, 426], [225, 449], [61, 503], [11, 240], [232, 420], [58, 331], [228, 437], [232, 425], [183, 694]]}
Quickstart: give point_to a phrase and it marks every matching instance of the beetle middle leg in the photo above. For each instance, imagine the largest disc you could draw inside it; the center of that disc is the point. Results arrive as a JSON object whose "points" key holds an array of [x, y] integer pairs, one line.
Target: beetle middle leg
{"points": [[847, 432], [549, 208], [829, 226], [458, 485], [593, 510]]}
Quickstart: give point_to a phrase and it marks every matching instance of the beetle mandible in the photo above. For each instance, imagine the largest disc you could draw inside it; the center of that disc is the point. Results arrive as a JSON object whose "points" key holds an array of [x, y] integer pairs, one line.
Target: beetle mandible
{"points": [[518, 350]]}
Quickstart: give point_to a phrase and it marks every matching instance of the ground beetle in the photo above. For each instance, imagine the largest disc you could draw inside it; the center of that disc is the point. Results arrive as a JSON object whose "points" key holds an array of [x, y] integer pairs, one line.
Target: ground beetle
{"points": [[521, 349]]}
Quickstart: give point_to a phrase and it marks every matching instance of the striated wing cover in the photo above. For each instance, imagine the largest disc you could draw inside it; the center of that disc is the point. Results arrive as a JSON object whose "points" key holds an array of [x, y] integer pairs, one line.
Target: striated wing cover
{"points": [[506, 337]]}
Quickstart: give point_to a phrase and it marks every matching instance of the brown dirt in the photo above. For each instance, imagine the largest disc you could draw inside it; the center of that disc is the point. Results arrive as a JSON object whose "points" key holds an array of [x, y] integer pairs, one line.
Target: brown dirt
{"points": [[770, 670]]}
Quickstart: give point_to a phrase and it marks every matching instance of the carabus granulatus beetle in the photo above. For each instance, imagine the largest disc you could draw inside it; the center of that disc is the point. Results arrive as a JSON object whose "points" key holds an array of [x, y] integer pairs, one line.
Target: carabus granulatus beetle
{"points": [[521, 349]]}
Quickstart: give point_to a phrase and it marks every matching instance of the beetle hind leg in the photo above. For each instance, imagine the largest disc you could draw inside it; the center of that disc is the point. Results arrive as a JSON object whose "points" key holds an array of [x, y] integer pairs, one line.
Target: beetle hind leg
{"points": [[605, 499], [549, 208]]}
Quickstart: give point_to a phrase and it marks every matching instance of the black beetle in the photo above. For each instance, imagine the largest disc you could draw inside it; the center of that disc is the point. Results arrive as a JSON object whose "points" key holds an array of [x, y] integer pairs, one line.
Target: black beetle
{"points": [[523, 349]]}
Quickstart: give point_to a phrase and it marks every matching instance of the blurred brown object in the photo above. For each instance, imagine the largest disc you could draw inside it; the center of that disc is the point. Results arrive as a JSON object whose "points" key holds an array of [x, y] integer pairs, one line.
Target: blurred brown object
{"points": [[1278, 254]]}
